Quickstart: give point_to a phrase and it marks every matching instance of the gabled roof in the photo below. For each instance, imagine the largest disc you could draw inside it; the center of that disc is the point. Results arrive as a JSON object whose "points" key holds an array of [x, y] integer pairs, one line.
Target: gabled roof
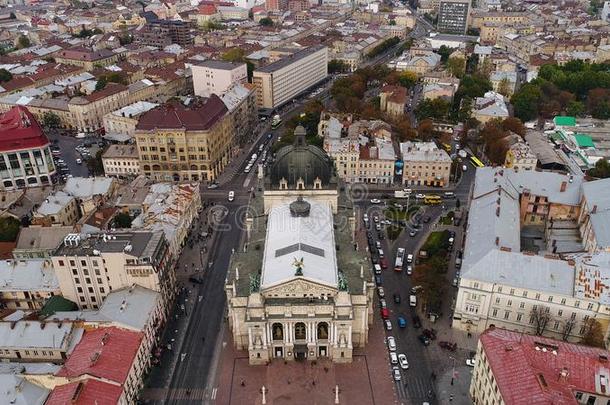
{"points": [[200, 116], [20, 130], [85, 392]]}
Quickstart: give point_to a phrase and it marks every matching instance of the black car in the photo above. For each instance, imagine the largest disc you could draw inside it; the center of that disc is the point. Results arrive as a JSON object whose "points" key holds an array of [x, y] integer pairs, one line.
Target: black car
{"points": [[375, 259], [369, 235], [451, 234], [373, 250], [381, 236], [378, 280], [425, 341], [416, 321], [195, 280], [397, 298]]}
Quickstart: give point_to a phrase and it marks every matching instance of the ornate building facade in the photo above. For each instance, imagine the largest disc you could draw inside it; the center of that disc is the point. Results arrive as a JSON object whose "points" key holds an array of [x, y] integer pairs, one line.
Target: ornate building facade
{"points": [[299, 288]]}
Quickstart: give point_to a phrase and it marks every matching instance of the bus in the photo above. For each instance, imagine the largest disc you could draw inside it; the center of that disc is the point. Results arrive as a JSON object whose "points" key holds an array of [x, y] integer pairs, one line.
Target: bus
{"points": [[432, 199], [476, 162], [400, 255], [276, 121]]}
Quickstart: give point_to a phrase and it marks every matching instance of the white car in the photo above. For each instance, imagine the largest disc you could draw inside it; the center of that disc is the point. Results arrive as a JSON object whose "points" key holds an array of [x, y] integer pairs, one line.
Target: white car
{"points": [[402, 360], [391, 343], [470, 362], [393, 358], [380, 292], [409, 270], [376, 219], [388, 324], [419, 196], [396, 373], [375, 201], [231, 195], [382, 303], [79, 161]]}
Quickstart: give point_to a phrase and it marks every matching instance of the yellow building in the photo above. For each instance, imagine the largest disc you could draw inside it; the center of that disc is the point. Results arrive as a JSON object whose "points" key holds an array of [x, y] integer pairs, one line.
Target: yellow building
{"points": [[87, 58], [178, 143]]}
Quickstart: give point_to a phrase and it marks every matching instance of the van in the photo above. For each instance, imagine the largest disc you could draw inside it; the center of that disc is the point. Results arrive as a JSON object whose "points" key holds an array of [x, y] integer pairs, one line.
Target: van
{"points": [[377, 268], [449, 194], [393, 358], [381, 256], [412, 300]]}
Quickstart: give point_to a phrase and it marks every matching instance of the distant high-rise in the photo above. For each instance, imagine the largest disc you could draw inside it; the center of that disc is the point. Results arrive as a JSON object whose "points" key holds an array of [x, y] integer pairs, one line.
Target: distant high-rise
{"points": [[276, 5], [453, 16], [162, 33]]}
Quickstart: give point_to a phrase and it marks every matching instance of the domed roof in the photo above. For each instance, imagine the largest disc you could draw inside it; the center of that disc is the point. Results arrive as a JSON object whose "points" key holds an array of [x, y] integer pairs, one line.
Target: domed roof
{"points": [[301, 161]]}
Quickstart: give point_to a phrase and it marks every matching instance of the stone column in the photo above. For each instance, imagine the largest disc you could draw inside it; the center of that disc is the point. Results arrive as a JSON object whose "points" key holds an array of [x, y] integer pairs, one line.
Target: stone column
{"points": [[249, 336]]}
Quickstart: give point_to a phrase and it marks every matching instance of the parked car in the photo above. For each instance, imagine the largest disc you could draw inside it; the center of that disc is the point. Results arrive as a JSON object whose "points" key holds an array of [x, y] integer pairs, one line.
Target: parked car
{"points": [[426, 219], [409, 270], [231, 195], [402, 360], [384, 263], [375, 201], [385, 314], [382, 303], [396, 373], [378, 281], [469, 362], [377, 269], [402, 323], [380, 292], [391, 343], [195, 280], [397, 298], [388, 324], [412, 233], [393, 358], [412, 300]]}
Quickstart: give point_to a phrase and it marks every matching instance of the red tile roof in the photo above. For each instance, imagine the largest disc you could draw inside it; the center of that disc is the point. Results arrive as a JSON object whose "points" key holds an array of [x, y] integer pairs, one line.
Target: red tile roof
{"points": [[86, 54], [85, 392], [207, 9], [535, 370], [110, 89], [201, 115], [103, 353], [20, 130]]}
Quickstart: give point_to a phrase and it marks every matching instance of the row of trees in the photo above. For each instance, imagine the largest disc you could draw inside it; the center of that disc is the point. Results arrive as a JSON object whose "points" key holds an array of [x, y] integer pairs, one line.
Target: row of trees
{"points": [[384, 46], [494, 135], [576, 88], [592, 334]]}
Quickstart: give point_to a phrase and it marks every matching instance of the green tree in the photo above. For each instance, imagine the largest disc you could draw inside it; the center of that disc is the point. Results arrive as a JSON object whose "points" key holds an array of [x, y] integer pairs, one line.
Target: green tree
{"points": [[122, 220], [9, 228], [384, 46], [101, 83], [575, 108], [436, 108], [5, 75], [337, 66], [23, 42], [504, 87], [494, 137], [51, 120], [238, 55], [471, 86], [266, 22], [526, 101], [456, 66], [95, 165], [601, 169], [444, 51], [407, 79]]}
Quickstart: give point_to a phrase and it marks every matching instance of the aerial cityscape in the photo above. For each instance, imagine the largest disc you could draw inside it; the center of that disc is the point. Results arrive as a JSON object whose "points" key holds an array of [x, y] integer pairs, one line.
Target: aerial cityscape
{"points": [[305, 202]]}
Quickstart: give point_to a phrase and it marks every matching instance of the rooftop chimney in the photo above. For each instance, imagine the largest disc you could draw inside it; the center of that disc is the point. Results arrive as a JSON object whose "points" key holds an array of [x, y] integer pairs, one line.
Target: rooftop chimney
{"points": [[564, 184], [594, 210]]}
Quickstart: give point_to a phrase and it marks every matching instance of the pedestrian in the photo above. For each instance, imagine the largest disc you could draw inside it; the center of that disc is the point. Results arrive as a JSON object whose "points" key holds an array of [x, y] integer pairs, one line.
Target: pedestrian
{"points": [[243, 383], [451, 398]]}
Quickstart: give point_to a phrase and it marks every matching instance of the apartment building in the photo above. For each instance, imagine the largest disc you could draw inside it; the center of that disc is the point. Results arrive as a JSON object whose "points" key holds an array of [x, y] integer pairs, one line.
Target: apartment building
{"points": [[88, 269], [25, 157], [279, 82], [27, 284], [425, 164], [88, 111], [124, 120], [181, 143], [121, 161], [393, 99], [241, 105], [113, 355], [520, 157], [59, 208], [533, 260], [453, 16], [376, 162], [91, 192], [38, 242], [36, 341], [161, 33], [217, 76], [513, 368], [343, 149], [86, 58]]}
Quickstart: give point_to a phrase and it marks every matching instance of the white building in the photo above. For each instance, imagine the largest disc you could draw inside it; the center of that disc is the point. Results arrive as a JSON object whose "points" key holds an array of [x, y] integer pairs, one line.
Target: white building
{"points": [[27, 284], [217, 76], [121, 161], [121, 124], [425, 164]]}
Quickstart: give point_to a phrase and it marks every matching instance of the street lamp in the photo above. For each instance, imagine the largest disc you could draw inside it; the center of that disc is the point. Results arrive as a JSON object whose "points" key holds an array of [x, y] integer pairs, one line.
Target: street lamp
{"points": [[452, 369]]}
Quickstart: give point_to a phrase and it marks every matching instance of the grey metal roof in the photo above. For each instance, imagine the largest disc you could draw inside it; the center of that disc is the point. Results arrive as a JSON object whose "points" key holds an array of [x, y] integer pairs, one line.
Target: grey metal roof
{"points": [[290, 59], [597, 194], [593, 277], [18, 391], [31, 334], [27, 275]]}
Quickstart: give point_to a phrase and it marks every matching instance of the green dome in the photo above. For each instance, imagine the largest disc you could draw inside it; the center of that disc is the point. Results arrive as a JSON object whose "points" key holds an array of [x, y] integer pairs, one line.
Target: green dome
{"points": [[301, 161]]}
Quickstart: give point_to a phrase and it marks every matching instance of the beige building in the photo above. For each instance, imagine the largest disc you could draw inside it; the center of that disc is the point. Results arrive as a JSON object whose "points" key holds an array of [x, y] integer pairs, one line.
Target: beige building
{"points": [[279, 82], [178, 143], [322, 306], [217, 76], [39, 242], [241, 103], [520, 157], [58, 208], [88, 269], [393, 99], [91, 192], [36, 341], [27, 284], [425, 164], [121, 161], [124, 120], [88, 59], [88, 111]]}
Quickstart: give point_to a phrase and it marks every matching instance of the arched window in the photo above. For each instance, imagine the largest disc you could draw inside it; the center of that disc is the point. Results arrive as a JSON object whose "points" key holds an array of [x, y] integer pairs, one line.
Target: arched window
{"points": [[193, 167], [322, 330], [300, 331], [277, 331], [147, 167]]}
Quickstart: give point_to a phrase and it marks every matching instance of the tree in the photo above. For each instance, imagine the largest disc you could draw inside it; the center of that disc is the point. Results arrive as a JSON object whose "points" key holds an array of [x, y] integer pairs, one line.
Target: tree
{"points": [[601, 169], [541, 317], [23, 42], [101, 83], [436, 108], [456, 66], [266, 22], [494, 137], [425, 130], [95, 165], [568, 325], [9, 228], [444, 51], [575, 108], [407, 79], [337, 66], [471, 86], [122, 220], [504, 87], [526, 101], [51, 120], [384, 46], [593, 334], [514, 125], [5, 75]]}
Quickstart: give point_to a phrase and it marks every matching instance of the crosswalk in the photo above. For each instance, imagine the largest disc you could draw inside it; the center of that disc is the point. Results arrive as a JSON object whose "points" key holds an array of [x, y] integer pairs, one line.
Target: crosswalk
{"points": [[195, 394], [418, 388]]}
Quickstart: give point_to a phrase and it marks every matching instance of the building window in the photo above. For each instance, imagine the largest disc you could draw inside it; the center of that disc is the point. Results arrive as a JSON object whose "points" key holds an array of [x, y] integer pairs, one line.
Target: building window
{"points": [[509, 303], [76, 280], [522, 305], [494, 313], [550, 299], [497, 300], [512, 291], [563, 301], [590, 306], [559, 313], [506, 314], [537, 296], [90, 289], [519, 317], [60, 262], [74, 271]]}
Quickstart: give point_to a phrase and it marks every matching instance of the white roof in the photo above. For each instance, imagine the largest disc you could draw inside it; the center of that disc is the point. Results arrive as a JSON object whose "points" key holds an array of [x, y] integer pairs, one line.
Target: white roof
{"points": [[17, 390], [29, 334], [135, 109], [592, 275], [597, 193], [27, 275], [234, 96], [85, 187], [423, 152], [54, 203], [310, 238]]}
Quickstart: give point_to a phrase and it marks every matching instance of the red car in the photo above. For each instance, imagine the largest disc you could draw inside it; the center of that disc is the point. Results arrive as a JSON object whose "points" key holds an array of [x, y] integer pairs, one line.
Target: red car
{"points": [[384, 263], [385, 314]]}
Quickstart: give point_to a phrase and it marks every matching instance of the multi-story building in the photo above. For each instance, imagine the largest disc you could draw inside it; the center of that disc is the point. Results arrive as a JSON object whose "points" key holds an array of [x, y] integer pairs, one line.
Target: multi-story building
{"points": [[91, 192], [217, 76], [177, 142], [25, 158], [278, 82], [393, 99], [453, 16], [512, 368], [88, 269], [124, 120], [88, 111], [36, 341], [39, 242], [87, 58], [343, 149], [241, 103], [276, 5], [161, 33], [520, 157], [537, 264], [27, 284], [425, 164], [121, 161], [58, 208], [376, 162]]}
